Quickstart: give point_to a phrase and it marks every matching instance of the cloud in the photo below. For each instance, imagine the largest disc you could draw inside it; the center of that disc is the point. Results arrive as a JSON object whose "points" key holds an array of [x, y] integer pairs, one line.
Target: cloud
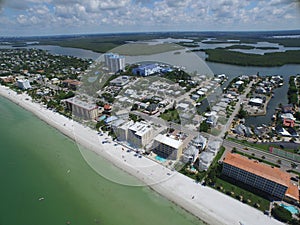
{"points": [[151, 15], [178, 3]]}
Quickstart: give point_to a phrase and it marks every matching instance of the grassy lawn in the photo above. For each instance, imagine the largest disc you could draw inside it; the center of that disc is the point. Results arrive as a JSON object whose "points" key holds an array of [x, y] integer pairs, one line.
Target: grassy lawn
{"points": [[215, 131], [259, 146], [200, 99], [233, 188], [218, 156], [223, 120], [171, 115], [237, 191]]}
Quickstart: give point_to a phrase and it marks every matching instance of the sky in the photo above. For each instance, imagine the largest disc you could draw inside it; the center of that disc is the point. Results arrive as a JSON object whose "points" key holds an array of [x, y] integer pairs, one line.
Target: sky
{"points": [[49, 17]]}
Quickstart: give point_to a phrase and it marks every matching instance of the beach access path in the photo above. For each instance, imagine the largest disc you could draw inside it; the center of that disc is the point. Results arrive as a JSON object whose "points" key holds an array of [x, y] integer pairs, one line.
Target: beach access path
{"points": [[207, 204]]}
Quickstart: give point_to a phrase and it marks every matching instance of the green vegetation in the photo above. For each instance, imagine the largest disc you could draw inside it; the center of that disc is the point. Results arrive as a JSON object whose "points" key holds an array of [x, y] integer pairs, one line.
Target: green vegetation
{"points": [[104, 43], [217, 158], [242, 113], [196, 176], [45, 63], [219, 42], [287, 42], [108, 97], [281, 214], [89, 44], [243, 59], [240, 47], [215, 169], [188, 44], [63, 95], [204, 127], [297, 115], [241, 87], [293, 91], [236, 189], [134, 117], [293, 171], [211, 173], [260, 146], [100, 124], [242, 192], [201, 99], [248, 47], [171, 115], [263, 147], [177, 75], [182, 78], [145, 49]]}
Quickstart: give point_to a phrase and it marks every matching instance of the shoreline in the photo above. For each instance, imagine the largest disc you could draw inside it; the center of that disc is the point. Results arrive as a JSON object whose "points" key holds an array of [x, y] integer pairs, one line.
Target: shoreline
{"points": [[207, 204]]}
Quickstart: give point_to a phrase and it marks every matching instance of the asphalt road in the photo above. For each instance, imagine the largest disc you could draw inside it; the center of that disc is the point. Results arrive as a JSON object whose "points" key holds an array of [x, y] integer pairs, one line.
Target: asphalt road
{"points": [[285, 163]]}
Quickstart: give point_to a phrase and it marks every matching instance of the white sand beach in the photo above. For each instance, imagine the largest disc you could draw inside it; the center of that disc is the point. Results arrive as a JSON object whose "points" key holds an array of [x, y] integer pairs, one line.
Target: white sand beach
{"points": [[209, 205]]}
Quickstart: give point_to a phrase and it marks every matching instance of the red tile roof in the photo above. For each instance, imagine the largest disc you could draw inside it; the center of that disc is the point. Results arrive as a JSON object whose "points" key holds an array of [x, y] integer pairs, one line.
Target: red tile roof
{"points": [[262, 170], [259, 169], [107, 107], [293, 192], [72, 82], [288, 122]]}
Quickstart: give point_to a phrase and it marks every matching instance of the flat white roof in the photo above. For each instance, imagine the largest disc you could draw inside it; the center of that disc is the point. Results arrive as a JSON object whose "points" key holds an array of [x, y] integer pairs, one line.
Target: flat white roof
{"points": [[287, 116], [239, 82], [126, 125], [81, 104], [200, 92], [256, 100], [22, 81], [140, 128], [183, 105], [168, 140]]}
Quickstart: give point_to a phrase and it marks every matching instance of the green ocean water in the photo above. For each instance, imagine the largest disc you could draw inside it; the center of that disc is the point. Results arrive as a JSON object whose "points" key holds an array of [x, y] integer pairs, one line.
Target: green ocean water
{"points": [[34, 163]]}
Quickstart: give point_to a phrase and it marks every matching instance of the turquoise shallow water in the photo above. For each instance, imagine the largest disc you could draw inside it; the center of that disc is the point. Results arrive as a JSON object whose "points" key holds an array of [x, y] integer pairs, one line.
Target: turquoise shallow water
{"points": [[37, 161]]}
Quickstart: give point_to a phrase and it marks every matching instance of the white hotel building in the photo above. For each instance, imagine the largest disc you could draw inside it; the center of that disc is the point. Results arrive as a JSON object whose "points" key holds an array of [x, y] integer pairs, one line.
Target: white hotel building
{"points": [[114, 62]]}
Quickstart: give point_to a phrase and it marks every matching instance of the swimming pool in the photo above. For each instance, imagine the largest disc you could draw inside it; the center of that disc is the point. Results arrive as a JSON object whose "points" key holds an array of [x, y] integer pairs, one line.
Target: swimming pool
{"points": [[193, 169], [161, 159], [290, 208], [103, 117]]}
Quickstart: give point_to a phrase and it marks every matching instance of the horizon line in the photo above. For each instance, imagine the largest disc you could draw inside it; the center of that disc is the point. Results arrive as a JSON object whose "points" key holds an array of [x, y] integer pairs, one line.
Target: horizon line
{"points": [[148, 32]]}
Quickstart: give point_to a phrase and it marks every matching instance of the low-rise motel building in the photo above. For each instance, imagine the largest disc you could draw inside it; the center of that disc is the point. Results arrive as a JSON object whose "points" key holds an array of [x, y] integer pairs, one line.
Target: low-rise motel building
{"points": [[270, 180], [71, 84], [82, 109]]}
